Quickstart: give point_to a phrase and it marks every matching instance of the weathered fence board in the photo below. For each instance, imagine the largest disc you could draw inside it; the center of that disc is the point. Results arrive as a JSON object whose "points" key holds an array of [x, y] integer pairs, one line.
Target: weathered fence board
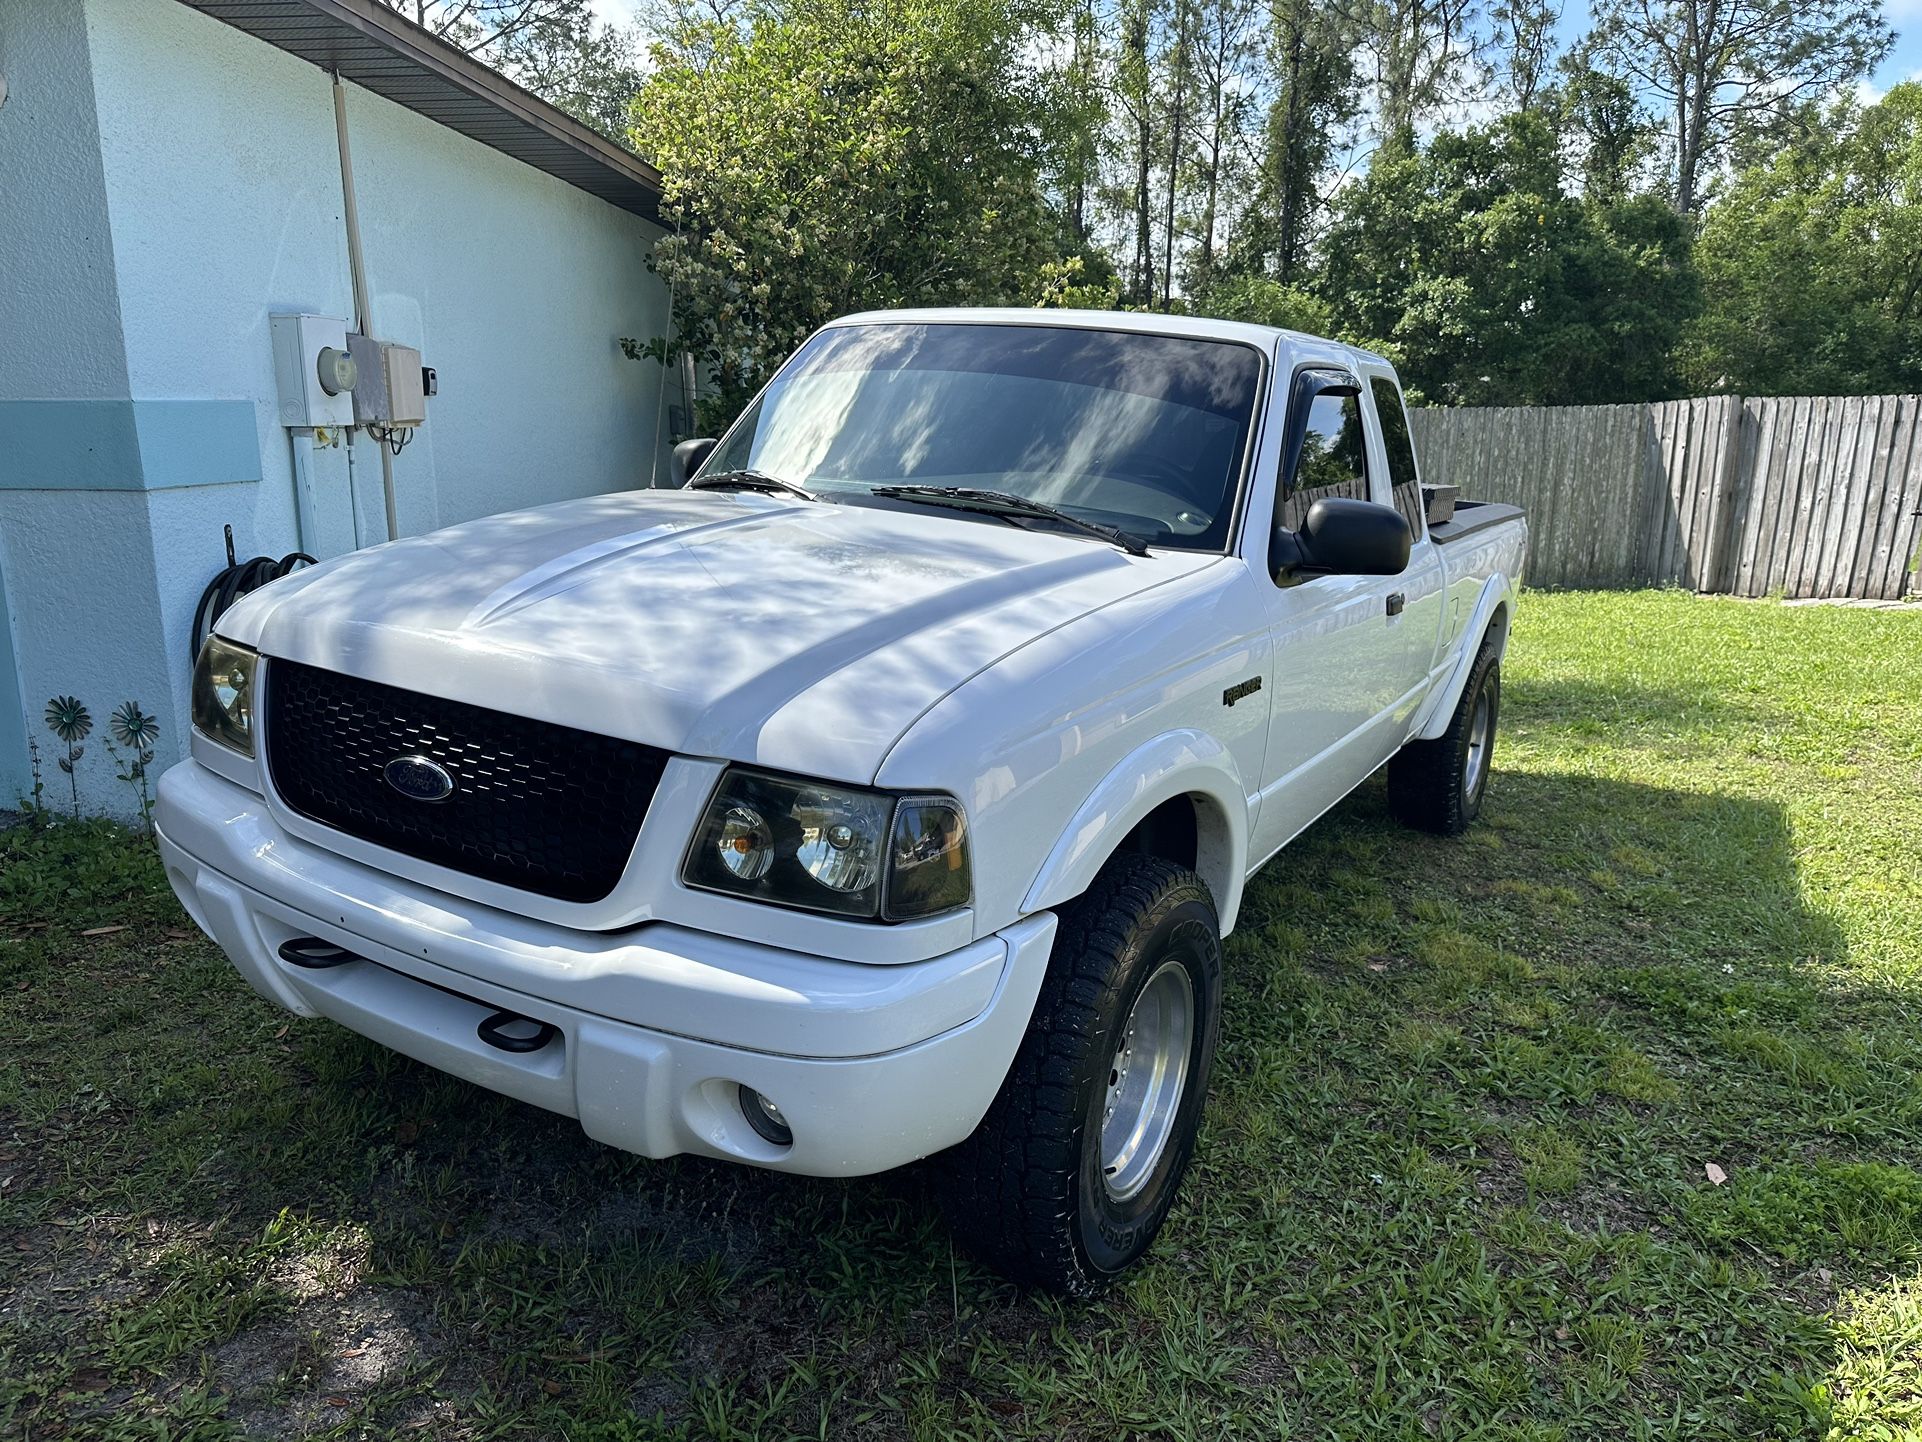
{"points": [[1797, 495]]}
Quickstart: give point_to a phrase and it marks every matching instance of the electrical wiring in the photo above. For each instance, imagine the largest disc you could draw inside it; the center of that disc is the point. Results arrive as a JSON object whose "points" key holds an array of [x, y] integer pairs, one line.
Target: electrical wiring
{"points": [[395, 438], [230, 585]]}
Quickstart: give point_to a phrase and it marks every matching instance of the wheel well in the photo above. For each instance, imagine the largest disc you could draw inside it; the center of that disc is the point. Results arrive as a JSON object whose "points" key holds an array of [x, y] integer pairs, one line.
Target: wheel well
{"points": [[1498, 629], [1191, 830], [1171, 831]]}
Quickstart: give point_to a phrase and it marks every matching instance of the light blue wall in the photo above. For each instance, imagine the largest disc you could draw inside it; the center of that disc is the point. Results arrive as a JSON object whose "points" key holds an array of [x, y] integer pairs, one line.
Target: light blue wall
{"points": [[87, 488], [77, 566], [59, 300], [517, 287], [168, 184]]}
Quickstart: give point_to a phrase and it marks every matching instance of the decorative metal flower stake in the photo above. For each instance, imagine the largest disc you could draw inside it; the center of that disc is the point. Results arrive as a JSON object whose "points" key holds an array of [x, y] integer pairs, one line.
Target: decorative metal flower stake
{"points": [[137, 731], [69, 720]]}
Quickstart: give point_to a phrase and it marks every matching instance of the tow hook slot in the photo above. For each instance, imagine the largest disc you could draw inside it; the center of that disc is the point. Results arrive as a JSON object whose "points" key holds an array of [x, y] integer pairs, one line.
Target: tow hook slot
{"points": [[510, 1031], [314, 954]]}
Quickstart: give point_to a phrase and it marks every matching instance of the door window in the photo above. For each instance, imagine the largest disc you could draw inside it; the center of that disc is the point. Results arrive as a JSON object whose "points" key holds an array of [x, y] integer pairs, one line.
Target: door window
{"points": [[1334, 460], [1401, 453]]}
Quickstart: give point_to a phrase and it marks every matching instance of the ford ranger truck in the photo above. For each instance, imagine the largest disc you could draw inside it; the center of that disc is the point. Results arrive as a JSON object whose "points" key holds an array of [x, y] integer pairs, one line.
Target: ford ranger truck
{"points": [[884, 790]]}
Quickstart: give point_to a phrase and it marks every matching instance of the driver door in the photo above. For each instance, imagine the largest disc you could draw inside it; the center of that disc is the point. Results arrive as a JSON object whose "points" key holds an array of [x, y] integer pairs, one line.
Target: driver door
{"points": [[1337, 660]]}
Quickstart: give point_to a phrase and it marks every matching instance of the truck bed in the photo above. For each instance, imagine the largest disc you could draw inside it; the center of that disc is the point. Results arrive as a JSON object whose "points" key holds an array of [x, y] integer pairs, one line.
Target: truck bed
{"points": [[1473, 516]]}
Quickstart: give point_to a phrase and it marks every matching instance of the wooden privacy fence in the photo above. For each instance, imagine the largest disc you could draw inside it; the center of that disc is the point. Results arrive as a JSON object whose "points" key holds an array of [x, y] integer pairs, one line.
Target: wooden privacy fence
{"points": [[1797, 495]]}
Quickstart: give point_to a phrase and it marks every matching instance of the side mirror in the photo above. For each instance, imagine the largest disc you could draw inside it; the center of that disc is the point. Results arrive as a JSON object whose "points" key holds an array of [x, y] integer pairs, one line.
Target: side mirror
{"points": [[689, 455], [1343, 537]]}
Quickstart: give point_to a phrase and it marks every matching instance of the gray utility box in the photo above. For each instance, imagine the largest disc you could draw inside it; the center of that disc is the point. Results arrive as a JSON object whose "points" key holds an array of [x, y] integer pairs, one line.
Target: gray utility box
{"points": [[1439, 501], [389, 390], [310, 395]]}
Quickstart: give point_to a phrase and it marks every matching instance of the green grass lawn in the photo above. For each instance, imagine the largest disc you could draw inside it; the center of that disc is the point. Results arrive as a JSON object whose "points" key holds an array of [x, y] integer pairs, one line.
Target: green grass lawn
{"points": [[1455, 1180]]}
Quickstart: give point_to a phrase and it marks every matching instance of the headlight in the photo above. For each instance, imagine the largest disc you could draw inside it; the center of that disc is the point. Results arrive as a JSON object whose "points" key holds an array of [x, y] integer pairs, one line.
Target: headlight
{"points": [[223, 694], [839, 849]]}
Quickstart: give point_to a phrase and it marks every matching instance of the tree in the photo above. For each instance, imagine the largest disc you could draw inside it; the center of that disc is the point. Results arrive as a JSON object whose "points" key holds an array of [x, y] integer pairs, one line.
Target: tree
{"points": [[1812, 263], [1134, 93], [1227, 45], [1720, 67], [554, 48], [1423, 50], [1312, 85], [1179, 66], [1601, 120], [1262, 300], [592, 74], [1080, 112], [826, 156], [1525, 41], [1496, 286]]}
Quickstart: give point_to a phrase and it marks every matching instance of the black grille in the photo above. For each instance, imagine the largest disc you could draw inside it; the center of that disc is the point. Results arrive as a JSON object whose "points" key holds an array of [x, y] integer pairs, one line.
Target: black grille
{"points": [[542, 807]]}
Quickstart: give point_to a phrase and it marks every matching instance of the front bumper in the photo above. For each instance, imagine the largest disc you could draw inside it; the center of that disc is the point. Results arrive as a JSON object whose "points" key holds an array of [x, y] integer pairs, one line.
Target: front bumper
{"points": [[872, 1065]]}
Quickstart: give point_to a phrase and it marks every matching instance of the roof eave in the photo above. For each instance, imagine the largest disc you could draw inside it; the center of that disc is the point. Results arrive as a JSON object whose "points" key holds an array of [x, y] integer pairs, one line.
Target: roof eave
{"points": [[382, 51]]}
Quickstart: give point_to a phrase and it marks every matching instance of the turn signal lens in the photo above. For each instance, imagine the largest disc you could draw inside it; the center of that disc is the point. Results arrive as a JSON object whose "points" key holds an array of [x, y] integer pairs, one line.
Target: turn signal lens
{"points": [[746, 843], [928, 870], [223, 694]]}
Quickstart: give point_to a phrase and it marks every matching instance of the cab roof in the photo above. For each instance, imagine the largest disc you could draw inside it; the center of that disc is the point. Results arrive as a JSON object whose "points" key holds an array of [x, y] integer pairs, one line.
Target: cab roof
{"points": [[1272, 340]]}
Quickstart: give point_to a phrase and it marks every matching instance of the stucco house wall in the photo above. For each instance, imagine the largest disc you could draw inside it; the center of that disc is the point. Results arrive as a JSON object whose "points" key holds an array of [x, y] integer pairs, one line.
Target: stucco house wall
{"points": [[167, 183]]}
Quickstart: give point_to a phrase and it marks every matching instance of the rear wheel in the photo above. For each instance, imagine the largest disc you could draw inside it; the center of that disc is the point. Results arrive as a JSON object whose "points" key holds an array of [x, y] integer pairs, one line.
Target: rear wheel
{"points": [[1438, 785], [1075, 1166]]}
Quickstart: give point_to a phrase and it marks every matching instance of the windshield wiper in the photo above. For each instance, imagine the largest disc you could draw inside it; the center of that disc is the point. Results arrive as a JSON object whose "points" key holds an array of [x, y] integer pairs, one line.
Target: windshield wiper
{"points": [[745, 480], [1005, 503]]}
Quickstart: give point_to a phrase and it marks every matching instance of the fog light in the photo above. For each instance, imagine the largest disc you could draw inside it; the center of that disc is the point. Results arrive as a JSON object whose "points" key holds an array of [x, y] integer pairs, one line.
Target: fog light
{"points": [[765, 1117]]}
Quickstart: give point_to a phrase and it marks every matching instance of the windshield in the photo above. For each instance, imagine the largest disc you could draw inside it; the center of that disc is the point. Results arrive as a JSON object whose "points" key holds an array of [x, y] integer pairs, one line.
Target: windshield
{"points": [[1142, 432]]}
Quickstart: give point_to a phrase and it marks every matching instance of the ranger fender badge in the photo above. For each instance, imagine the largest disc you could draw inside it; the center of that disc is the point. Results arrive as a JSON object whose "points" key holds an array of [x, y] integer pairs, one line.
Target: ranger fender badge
{"points": [[1240, 689], [419, 778]]}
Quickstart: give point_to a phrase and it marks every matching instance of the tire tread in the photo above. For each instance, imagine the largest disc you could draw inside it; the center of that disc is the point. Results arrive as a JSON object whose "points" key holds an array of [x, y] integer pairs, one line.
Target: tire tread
{"points": [[1425, 777], [1008, 1190]]}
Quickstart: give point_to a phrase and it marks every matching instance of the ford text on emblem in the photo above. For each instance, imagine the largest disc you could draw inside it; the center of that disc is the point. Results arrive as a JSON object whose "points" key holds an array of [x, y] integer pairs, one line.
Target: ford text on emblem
{"points": [[419, 778]]}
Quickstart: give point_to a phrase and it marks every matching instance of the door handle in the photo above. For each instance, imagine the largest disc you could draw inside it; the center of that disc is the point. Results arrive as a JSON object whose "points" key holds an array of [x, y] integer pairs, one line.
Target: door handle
{"points": [[1396, 600]]}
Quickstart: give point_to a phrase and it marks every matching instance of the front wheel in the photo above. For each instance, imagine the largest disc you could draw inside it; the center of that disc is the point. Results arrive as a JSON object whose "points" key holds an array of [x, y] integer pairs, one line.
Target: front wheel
{"points": [[1075, 1166]]}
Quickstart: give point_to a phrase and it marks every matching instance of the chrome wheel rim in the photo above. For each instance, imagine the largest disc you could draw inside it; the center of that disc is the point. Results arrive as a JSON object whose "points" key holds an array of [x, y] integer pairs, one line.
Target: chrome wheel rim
{"points": [[1479, 735], [1146, 1077]]}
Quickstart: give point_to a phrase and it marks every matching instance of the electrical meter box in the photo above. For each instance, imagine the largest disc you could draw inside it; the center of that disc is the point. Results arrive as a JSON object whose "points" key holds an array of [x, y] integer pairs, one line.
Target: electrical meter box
{"points": [[312, 370], [389, 389]]}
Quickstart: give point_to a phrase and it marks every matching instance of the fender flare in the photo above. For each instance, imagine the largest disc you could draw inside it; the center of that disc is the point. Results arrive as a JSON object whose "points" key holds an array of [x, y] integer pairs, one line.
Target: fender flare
{"points": [[1176, 763], [1498, 594]]}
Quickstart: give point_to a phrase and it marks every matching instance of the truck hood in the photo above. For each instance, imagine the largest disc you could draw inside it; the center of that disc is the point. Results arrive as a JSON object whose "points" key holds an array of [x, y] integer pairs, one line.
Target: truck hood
{"points": [[803, 636]]}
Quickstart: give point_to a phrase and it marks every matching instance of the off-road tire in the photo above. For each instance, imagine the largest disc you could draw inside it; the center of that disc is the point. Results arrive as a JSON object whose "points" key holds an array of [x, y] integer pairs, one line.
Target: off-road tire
{"points": [[1428, 781], [1025, 1193]]}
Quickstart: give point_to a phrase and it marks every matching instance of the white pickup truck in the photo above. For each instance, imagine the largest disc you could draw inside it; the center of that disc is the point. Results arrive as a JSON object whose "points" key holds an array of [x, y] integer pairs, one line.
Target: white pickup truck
{"points": [[886, 791]]}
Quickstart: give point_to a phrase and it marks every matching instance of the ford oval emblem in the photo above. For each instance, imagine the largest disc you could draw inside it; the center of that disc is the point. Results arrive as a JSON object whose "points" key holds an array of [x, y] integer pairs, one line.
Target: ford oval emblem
{"points": [[418, 778]]}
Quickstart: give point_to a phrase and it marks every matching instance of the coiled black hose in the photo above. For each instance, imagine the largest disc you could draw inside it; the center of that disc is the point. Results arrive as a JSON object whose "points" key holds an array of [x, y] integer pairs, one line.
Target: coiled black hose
{"points": [[230, 585]]}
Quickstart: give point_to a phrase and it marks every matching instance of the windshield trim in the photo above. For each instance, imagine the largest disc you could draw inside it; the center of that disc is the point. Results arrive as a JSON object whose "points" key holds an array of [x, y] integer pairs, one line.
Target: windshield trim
{"points": [[1258, 405]]}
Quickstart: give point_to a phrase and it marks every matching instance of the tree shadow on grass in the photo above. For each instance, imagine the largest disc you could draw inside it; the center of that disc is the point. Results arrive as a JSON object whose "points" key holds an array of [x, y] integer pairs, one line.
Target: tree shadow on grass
{"points": [[1612, 707], [1453, 1183]]}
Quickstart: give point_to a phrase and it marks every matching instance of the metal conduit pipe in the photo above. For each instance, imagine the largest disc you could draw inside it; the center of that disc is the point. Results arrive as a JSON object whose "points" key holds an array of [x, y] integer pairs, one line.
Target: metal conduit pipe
{"points": [[363, 313]]}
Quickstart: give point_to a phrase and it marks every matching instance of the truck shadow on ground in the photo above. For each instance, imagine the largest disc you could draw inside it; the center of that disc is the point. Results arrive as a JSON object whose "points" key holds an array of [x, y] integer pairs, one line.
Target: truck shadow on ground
{"points": [[1454, 1176]]}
